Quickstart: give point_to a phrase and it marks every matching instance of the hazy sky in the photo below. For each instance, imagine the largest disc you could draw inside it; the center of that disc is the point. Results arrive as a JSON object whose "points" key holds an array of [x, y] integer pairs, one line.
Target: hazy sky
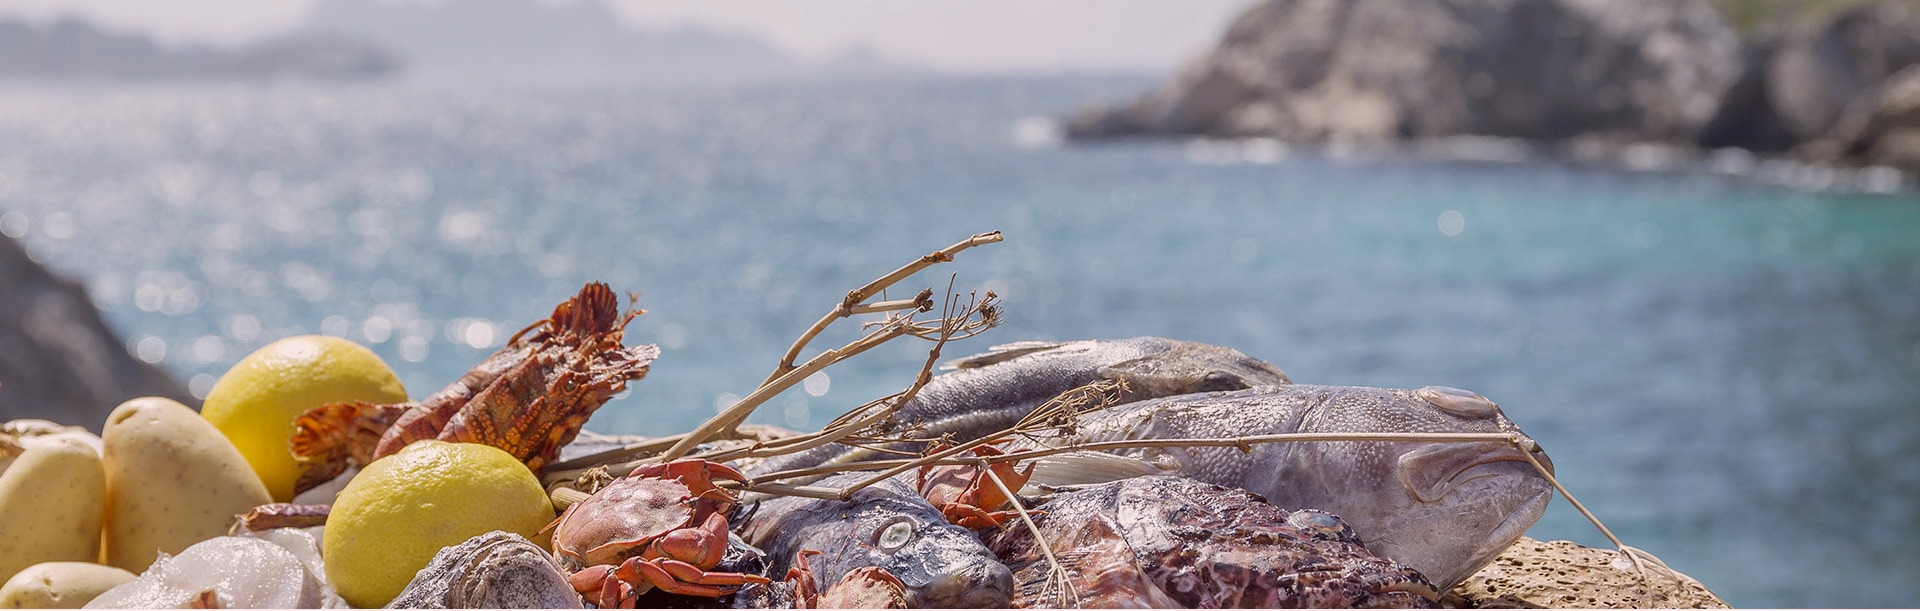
{"points": [[960, 35]]}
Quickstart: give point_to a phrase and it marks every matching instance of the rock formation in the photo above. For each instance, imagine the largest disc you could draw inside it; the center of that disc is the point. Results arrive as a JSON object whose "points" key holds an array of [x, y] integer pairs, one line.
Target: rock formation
{"points": [[1321, 70], [1628, 71], [1535, 574], [58, 359]]}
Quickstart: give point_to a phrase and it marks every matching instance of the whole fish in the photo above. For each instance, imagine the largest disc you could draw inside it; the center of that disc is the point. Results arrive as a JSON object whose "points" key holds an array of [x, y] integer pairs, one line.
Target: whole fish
{"points": [[1444, 508], [886, 525], [1160, 541], [990, 392]]}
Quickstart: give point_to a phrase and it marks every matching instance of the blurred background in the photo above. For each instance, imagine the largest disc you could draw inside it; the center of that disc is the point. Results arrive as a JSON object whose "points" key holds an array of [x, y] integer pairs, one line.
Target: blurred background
{"points": [[1677, 241]]}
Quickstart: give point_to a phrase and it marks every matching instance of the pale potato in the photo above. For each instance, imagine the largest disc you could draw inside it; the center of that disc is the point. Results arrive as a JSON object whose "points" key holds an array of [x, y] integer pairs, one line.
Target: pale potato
{"points": [[172, 481], [51, 500], [60, 585]]}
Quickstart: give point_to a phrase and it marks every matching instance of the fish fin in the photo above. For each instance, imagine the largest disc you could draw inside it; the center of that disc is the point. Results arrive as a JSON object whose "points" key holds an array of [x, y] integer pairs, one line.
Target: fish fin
{"points": [[1000, 354], [1085, 468]]}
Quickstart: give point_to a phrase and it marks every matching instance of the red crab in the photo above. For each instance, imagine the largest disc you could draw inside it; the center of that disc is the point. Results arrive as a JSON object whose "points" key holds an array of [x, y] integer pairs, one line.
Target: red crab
{"points": [[964, 494], [663, 526], [529, 399], [867, 587]]}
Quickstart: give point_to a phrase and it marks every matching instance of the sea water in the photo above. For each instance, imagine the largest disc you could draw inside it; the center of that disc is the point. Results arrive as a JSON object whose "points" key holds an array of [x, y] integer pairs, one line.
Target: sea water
{"points": [[1727, 373]]}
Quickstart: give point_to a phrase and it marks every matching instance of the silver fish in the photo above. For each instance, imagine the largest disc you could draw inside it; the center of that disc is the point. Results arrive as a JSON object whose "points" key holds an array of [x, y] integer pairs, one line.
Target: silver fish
{"points": [[1445, 508], [989, 392], [886, 525]]}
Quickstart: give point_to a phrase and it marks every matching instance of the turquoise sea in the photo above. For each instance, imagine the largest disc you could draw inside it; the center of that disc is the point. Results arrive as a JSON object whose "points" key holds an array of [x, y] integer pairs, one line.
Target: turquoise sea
{"points": [[1727, 373]]}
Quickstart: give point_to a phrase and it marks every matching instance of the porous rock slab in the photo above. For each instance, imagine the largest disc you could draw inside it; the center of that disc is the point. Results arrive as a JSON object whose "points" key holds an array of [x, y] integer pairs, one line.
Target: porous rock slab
{"points": [[1536, 574]]}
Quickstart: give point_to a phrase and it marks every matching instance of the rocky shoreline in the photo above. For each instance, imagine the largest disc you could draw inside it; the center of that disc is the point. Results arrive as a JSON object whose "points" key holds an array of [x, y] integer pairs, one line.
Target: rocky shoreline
{"points": [[1597, 76], [58, 359]]}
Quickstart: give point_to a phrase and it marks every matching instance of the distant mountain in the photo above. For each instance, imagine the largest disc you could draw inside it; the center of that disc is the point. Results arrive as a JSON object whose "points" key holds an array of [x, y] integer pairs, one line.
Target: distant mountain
{"points": [[544, 42], [76, 49]]}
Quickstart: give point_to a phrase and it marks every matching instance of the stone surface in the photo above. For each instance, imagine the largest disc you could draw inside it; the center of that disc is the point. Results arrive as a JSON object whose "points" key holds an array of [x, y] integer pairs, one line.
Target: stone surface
{"points": [[1537, 574], [58, 359], [1373, 70], [1819, 71], [1883, 127]]}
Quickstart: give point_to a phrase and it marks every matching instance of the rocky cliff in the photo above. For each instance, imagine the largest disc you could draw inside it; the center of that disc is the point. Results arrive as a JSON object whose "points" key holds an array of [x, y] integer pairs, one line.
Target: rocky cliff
{"points": [[1632, 71], [76, 49], [58, 359]]}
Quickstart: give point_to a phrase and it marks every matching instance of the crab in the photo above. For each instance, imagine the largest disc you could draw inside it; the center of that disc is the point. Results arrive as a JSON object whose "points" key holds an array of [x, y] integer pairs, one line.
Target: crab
{"points": [[529, 399], [964, 494], [663, 526], [867, 587]]}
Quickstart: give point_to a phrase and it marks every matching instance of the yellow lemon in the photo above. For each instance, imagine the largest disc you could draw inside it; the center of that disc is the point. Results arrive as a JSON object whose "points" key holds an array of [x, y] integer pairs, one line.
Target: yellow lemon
{"points": [[255, 403], [398, 512]]}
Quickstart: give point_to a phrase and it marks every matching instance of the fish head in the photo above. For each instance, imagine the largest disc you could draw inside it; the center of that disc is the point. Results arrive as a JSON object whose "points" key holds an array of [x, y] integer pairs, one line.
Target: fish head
{"points": [[1169, 367], [887, 525], [941, 565], [1446, 508]]}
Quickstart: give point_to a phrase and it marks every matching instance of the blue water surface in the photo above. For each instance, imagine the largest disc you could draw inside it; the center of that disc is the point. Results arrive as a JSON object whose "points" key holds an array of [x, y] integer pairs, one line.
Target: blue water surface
{"points": [[1728, 374]]}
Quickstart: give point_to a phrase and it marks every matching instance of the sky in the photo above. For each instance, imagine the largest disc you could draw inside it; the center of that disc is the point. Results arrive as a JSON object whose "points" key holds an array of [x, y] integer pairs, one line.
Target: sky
{"points": [[975, 36]]}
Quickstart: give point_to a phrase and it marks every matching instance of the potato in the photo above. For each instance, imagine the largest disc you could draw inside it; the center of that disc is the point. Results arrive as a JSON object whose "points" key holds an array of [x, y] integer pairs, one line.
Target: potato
{"points": [[51, 500], [28, 431], [172, 481], [60, 585]]}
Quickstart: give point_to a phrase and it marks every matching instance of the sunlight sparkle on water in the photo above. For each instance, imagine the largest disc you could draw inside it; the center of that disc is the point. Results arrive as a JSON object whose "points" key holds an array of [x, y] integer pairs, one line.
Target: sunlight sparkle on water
{"points": [[818, 384], [1452, 223]]}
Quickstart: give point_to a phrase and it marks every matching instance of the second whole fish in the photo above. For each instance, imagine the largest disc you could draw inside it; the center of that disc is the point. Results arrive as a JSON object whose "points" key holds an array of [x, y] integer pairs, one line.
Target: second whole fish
{"points": [[1444, 508], [987, 393]]}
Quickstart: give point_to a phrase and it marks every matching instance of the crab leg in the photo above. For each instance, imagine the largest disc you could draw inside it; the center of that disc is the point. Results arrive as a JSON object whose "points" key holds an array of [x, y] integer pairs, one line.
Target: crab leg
{"points": [[682, 578]]}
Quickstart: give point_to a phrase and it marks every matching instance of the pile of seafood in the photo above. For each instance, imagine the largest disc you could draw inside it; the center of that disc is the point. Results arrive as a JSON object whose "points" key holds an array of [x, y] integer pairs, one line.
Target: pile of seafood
{"points": [[1142, 472]]}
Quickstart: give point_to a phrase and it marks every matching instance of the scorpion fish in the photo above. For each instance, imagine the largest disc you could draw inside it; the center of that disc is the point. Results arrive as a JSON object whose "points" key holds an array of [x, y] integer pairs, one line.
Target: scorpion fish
{"points": [[530, 398], [1172, 542], [986, 393], [887, 525], [1444, 508]]}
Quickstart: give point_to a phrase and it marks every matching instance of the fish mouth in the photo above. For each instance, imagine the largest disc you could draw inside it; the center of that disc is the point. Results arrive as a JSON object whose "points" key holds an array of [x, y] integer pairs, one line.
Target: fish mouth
{"points": [[987, 585], [1435, 471], [1390, 585], [1407, 586]]}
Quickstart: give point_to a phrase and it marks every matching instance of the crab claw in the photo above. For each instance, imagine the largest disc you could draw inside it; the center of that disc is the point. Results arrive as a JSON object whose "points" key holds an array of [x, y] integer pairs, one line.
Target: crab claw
{"points": [[601, 585], [702, 545], [806, 593]]}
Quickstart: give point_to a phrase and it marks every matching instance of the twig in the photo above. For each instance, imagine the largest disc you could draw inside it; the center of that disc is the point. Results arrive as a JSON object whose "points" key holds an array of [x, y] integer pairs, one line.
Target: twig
{"points": [[1056, 574], [856, 296], [786, 375]]}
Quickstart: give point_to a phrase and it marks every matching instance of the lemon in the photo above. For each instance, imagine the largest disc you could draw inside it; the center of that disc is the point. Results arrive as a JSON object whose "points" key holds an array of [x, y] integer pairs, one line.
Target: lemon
{"points": [[398, 512], [255, 403]]}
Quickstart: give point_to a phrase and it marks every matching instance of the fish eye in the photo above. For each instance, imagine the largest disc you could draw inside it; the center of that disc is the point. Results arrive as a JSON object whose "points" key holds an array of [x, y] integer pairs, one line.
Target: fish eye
{"points": [[895, 535], [1316, 520], [1318, 524], [1220, 380], [1464, 403]]}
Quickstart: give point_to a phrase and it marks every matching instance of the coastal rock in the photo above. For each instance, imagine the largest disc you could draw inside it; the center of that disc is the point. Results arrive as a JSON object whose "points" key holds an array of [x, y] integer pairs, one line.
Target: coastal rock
{"points": [[1884, 128], [1535, 574], [72, 48], [1819, 72], [1377, 70], [1746, 117], [58, 359]]}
